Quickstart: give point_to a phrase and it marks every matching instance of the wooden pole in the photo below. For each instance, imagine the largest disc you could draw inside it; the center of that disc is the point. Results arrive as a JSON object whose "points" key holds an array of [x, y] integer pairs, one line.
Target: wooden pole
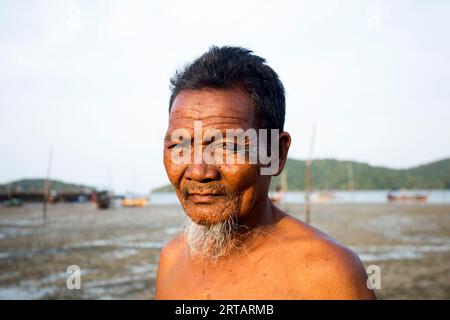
{"points": [[308, 177], [351, 184], [46, 185], [308, 189], [284, 188], [9, 191]]}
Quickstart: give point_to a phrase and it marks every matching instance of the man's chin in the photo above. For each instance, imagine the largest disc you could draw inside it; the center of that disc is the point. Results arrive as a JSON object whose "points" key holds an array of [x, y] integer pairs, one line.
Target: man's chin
{"points": [[206, 215], [208, 219]]}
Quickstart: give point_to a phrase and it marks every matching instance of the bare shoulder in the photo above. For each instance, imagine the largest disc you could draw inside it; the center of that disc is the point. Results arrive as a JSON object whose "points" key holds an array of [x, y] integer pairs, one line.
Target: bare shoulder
{"points": [[167, 258], [174, 245], [171, 251], [325, 269]]}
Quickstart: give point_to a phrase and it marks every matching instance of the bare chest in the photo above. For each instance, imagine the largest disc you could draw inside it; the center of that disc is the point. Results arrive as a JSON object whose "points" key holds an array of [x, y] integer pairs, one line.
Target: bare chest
{"points": [[262, 279]]}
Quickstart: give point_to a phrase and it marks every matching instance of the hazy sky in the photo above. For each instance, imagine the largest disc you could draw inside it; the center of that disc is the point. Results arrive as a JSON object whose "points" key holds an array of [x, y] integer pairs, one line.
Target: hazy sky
{"points": [[91, 79]]}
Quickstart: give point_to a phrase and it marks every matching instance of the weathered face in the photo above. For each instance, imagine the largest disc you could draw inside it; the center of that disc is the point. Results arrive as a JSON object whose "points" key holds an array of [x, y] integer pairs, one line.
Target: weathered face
{"points": [[211, 192]]}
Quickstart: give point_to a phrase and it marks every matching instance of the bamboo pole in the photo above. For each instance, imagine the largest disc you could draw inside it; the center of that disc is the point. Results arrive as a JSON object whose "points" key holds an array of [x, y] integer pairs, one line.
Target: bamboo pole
{"points": [[351, 183], [46, 185], [308, 177]]}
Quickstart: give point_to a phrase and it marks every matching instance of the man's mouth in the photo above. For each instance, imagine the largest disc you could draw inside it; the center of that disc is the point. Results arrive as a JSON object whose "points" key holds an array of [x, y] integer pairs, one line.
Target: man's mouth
{"points": [[205, 198]]}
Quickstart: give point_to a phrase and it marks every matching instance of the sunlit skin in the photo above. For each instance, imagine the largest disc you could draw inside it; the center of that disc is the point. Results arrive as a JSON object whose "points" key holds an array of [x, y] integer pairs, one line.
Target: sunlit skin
{"points": [[288, 260]]}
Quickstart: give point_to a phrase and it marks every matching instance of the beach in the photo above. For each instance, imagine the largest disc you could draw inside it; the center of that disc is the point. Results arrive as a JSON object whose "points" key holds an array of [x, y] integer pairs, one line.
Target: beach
{"points": [[117, 250]]}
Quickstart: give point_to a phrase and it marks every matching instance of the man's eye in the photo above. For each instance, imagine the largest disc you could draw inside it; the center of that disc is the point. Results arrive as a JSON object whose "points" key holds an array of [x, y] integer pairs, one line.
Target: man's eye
{"points": [[181, 144], [232, 147], [228, 146]]}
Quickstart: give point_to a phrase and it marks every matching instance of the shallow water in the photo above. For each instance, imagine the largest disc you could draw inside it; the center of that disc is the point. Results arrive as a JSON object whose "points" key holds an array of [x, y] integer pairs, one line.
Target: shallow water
{"points": [[358, 196]]}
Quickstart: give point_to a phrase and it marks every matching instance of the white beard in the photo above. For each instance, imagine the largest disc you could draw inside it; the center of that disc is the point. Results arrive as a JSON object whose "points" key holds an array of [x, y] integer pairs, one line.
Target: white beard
{"points": [[210, 242]]}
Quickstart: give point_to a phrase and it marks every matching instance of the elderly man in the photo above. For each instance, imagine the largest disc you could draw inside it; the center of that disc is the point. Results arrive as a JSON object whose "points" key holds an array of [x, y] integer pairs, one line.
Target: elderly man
{"points": [[236, 243]]}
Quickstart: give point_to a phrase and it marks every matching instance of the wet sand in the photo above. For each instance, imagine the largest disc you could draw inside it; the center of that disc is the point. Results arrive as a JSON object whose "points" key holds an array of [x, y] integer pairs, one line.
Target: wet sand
{"points": [[117, 250]]}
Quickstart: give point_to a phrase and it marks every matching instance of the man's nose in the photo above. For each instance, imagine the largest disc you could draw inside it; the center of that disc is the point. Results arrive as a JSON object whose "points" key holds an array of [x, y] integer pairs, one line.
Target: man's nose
{"points": [[202, 173]]}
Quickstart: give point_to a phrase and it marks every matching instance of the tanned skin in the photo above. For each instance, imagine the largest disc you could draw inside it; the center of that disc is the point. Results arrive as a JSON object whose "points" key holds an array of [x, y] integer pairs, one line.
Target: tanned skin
{"points": [[287, 260]]}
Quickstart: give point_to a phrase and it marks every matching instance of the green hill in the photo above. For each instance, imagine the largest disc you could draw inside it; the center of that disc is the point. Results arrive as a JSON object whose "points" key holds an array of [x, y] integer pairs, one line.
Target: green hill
{"points": [[331, 174], [334, 174], [166, 188], [37, 186]]}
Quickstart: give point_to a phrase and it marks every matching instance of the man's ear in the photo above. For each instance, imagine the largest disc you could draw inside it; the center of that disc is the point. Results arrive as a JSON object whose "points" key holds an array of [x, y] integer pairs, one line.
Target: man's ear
{"points": [[284, 142]]}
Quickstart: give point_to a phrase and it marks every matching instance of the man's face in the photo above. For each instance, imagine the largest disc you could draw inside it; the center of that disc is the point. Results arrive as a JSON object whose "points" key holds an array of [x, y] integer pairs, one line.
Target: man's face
{"points": [[215, 191]]}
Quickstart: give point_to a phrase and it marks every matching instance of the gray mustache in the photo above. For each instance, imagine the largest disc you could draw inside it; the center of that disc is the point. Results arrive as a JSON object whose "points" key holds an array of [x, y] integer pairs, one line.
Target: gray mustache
{"points": [[213, 188]]}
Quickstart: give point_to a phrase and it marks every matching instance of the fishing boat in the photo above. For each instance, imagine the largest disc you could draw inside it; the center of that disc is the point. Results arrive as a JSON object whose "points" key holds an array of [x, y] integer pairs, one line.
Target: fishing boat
{"points": [[405, 197], [326, 196], [103, 199], [135, 202]]}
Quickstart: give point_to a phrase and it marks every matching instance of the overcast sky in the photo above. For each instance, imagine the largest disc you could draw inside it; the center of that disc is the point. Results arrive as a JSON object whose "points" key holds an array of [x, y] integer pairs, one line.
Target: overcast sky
{"points": [[91, 79]]}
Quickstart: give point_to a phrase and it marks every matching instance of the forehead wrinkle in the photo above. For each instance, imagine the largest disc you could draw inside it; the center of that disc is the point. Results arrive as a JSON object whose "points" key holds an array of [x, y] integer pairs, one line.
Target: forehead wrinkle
{"points": [[217, 110], [208, 117], [209, 112], [188, 121], [234, 104]]}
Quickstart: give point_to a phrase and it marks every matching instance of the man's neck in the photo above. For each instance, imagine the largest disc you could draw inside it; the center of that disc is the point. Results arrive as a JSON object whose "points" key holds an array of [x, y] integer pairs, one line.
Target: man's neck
{"points": [[263, 215]]}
